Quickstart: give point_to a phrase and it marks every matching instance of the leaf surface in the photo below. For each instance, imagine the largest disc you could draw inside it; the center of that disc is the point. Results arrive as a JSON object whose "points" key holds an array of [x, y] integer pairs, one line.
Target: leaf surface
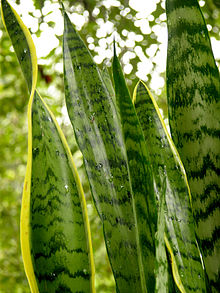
{"points": [[180, 236], [98, 132], [193, 89], [144, 203], [108, 82], [22, 43], [55, 234], [161, 270], [58, 228]]}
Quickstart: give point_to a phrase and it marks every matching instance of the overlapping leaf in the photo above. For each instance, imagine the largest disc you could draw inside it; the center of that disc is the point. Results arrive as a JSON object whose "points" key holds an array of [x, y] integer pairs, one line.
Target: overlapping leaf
{"points": [[55, 235], [140, 175], [180, 236], [97, 127], [161, 270], [193, 88]]}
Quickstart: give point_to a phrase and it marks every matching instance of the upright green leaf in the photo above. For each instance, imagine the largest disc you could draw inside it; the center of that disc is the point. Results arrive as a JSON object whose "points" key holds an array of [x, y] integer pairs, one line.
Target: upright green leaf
{"points": [[58, 236], [97, 127], [22, 43], [55, 233], [180, 236], [161, 270], [193, 89], [141, 176], [108, 82]]}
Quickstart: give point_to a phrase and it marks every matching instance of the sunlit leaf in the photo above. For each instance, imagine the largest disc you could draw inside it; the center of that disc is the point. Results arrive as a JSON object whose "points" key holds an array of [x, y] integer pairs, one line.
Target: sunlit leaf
{"points": [[193, 88], [55, 233], [180, 236], [97, 127], [144, 203]]}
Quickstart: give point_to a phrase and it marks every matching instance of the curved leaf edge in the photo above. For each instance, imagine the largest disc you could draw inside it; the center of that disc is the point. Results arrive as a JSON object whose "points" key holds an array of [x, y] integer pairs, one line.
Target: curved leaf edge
{"points": [[25, 211], [176, 275], [174, 267], [80, 192], [30, 44], [171, 143], [118, 70]]}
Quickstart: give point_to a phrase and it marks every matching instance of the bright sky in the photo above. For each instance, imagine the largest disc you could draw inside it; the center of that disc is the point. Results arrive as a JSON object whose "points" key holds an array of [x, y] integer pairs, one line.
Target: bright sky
{"points": [[48, 40]]}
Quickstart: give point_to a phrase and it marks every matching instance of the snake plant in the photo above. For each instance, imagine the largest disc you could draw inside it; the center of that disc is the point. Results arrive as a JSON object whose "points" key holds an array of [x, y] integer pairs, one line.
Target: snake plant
{"points": [[160, 229]]}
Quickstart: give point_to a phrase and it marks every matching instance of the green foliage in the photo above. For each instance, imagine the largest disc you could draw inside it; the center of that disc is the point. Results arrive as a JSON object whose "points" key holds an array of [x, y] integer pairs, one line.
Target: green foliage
{"points": [[13, 106], [193, 92]]}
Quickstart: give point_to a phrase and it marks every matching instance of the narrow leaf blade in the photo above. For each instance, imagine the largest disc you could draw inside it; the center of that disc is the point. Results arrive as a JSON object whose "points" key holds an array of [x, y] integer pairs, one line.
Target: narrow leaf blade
{"points": [[108, 82], [59, 231], [161, 271], [22, 43], [193, 89], [180, 236], [55, 234], [97, 128], [145, 208]]}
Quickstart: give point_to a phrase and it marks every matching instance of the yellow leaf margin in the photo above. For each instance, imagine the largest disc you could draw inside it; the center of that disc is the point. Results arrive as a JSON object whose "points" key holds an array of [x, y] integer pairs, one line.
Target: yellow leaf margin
{"points": [[25, 210], [176, 275]]}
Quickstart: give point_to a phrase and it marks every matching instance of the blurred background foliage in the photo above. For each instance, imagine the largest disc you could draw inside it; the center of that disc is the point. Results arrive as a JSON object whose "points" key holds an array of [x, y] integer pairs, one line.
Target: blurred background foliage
{"points": [[140, 33]]}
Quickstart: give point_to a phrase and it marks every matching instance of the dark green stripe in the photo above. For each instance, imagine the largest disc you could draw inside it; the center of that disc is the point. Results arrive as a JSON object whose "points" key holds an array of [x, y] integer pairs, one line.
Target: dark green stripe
{"points": [[58, 240], [177, 209], [182, 26], [172, 5], [19, 42], [193, 89], [209, 244], [91, 107]]}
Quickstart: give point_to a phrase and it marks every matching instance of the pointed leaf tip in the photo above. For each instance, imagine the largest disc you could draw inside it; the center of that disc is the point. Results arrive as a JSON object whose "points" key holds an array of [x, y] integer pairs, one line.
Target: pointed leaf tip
{"points": [[114, 47], [62, 7]]}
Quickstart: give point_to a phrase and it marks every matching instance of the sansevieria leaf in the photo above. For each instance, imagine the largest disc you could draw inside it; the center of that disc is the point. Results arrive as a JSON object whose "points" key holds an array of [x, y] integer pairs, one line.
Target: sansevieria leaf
{"points": [[98, 132], [161, 268], [180, 236], [22, 43], [193, 89], [107, 80], [55, 233], [58, 228], [140, 174]]}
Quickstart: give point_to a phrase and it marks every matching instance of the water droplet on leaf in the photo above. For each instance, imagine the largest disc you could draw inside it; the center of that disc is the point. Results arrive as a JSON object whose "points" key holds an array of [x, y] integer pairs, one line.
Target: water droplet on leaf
{"points": [[110, 178], [99, 166], [92, 117], [35, 151], [52, 276], [103, 217]]}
